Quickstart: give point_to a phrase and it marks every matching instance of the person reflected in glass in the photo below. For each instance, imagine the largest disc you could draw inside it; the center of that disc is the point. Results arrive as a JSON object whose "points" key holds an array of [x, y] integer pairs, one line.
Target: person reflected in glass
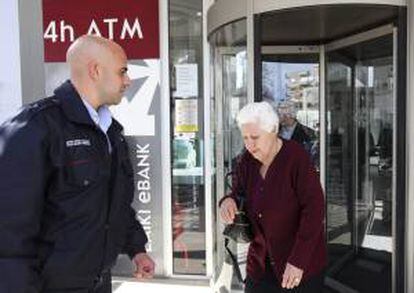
{"points": [[291, 128], [285, 204]]}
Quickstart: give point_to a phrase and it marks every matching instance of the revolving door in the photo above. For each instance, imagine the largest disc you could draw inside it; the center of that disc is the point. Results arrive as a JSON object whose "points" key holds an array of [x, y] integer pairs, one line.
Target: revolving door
{"points": [[340, 65]]}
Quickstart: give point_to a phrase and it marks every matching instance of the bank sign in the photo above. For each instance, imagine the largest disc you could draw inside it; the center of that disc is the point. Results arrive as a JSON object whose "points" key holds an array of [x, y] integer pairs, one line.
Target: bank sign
{"points": [[134, 24]]}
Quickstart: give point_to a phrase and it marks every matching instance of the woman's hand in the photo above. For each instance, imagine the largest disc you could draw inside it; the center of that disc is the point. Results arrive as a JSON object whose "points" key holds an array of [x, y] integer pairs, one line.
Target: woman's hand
{"points": [[228, 210], [292, 276]]}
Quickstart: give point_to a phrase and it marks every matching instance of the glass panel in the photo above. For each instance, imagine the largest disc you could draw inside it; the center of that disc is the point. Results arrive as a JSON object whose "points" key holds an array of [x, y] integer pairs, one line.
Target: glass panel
{"points": [[339, 167], [213, 139], [228, 46], [291, 84], [360, 105], [234, 98], [188, 208], [374, 94]]}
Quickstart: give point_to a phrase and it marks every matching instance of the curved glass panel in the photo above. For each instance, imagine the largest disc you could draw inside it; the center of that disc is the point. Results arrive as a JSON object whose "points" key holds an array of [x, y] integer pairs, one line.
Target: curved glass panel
{"points": [[359, 160], [229, 95]]}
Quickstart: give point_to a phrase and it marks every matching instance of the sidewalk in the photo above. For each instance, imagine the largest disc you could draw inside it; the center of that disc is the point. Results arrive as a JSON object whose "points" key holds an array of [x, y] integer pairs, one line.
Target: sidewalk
{"points": [[119, 286], [152, 287]]}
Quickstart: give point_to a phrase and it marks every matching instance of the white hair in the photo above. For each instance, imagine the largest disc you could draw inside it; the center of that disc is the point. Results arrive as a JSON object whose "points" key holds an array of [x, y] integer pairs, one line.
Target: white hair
{"points": [[261, 113], [287, 108]]}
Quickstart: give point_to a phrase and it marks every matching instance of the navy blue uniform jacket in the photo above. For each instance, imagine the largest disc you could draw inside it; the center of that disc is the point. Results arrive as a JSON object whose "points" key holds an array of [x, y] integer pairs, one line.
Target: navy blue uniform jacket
{"points": [[65, 201]]}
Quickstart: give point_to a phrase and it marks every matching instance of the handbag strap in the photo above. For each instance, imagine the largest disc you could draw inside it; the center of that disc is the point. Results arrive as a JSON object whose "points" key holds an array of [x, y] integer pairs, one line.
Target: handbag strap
{"points": [[234, 261], [241, 199]]}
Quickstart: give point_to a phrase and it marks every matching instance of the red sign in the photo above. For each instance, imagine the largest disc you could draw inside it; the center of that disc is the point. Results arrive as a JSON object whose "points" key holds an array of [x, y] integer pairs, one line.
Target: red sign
{"points": [[131, 23]]}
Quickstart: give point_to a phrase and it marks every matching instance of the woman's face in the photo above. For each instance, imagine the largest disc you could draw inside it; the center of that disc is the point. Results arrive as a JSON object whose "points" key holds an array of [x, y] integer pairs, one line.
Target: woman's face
{"points": [[257, 141]]}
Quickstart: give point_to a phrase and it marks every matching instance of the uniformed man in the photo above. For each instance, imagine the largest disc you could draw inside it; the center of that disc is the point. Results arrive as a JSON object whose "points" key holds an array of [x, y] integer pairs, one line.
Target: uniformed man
{"points": [[66, 182]]}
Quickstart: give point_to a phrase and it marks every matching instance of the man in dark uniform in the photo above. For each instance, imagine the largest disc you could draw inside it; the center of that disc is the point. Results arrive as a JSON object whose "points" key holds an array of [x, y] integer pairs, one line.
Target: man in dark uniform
{"points": [[66, 183]]}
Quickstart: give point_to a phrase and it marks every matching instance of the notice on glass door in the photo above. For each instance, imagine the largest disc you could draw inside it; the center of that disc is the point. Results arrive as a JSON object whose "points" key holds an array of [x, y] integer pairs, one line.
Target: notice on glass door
{"points": [[186, 80], [186, 116]]}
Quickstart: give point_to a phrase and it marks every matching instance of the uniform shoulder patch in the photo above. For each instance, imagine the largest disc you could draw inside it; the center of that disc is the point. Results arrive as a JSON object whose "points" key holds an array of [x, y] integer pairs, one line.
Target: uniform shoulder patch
{"points": [[43, 104], [39, 106]]}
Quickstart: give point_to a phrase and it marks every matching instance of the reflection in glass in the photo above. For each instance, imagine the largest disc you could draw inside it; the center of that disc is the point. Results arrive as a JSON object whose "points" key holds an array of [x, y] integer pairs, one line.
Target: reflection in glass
{"points": [[360, 113], [234, 98], [293, 89], [188, 208], [339, 154], [228, 49], [374, 94]]}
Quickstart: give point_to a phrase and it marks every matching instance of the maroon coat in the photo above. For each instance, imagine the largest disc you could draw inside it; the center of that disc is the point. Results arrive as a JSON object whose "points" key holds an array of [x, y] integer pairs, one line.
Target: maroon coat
{"points": [[286, 210]]}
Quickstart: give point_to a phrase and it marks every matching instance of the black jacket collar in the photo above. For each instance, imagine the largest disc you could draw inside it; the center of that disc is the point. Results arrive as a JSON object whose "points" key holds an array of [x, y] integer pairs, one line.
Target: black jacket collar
{"points": [[74, 108], [72, 104]]}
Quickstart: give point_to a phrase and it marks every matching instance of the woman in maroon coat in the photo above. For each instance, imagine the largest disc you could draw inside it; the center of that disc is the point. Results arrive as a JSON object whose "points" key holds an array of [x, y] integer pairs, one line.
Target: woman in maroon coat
{"points": [[284, 202]]}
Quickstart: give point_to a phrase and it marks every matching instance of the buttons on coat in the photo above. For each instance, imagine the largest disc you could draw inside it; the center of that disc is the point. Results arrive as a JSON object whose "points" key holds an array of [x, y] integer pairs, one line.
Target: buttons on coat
{"points": [[259, 215], [86, 182]]}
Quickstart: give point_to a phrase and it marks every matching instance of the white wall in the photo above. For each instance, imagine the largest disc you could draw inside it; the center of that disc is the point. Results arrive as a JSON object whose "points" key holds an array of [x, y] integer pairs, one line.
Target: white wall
{"points": [[21, 54], [10, 87]]}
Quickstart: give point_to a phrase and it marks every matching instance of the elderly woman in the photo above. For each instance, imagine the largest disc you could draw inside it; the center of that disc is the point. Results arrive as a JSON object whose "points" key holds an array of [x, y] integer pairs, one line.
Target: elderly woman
{"points": [[285, 204]]}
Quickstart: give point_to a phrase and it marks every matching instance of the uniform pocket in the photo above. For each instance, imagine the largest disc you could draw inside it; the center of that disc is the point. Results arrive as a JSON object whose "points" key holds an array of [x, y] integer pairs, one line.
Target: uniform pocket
{"points": [[127, 168], [82, 173]]}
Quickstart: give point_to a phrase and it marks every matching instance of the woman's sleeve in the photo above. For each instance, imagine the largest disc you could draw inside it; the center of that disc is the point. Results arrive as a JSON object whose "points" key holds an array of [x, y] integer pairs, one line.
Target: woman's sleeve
{"points": [[311, 201]]}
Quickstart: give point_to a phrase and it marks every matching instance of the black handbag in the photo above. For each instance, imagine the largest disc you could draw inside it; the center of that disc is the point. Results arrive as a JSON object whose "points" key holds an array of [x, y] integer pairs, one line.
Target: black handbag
{"points": [[240, 231]]}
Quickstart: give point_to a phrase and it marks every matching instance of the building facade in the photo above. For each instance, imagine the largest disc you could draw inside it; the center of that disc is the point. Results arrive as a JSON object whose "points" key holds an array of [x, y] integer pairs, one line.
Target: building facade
{"points": [[347, 66]]}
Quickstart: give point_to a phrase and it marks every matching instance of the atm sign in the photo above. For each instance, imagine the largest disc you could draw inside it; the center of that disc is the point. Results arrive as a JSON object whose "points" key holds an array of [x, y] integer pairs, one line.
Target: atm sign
{"points": [[133, 24]]}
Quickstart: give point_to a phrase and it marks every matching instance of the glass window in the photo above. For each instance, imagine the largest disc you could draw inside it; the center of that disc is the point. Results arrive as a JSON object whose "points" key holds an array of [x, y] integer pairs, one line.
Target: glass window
{"points": [[290, 82], [229, 95], [188, 208], [339, 154], [359, 160]]}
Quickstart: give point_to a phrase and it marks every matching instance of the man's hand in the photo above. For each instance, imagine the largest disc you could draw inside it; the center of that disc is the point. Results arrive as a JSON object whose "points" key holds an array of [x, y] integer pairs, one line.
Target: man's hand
{"points": [[144, 266], [292, 276]]}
